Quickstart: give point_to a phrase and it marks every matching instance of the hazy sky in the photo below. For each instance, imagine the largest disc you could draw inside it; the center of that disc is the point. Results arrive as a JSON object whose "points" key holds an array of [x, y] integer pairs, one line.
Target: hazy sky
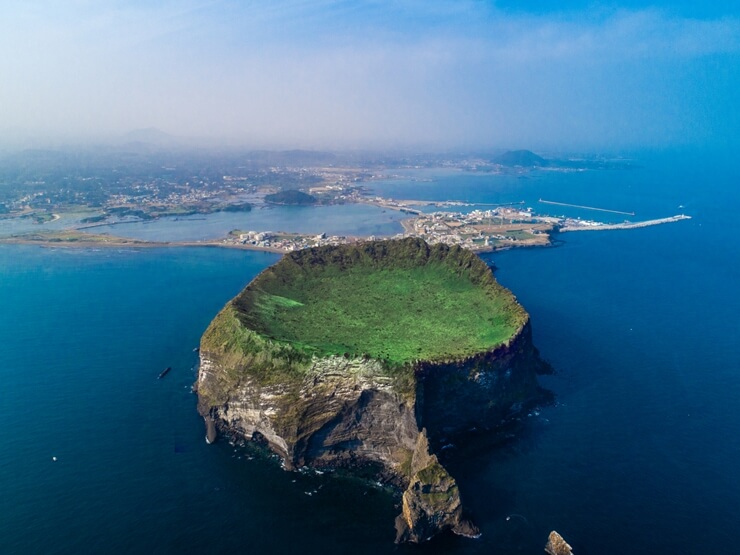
{"points": [[415, 73]]}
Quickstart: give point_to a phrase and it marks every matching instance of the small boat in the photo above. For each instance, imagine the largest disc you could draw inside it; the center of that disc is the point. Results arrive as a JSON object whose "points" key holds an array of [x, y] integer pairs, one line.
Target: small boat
{"points": [[196, 349], [164, 372]]}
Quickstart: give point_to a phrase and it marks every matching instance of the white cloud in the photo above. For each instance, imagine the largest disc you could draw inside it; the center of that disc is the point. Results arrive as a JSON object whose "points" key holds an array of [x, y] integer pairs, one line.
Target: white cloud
{"points": [[350, 75]]}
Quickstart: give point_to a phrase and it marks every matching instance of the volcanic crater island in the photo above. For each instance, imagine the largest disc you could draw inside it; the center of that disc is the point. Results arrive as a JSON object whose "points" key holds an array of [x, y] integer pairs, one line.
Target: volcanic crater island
{"points": [[372, 356]]}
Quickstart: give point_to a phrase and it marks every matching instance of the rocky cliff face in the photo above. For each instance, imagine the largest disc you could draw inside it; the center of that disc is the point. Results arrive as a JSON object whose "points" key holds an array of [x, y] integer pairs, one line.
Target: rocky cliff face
{"points": [[480, 392], [343, 412], [347, 412], [372, 356]]}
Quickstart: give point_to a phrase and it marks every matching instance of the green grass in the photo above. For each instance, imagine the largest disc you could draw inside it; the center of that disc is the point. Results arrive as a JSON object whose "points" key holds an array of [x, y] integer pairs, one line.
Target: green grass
{"points": [[397, 303], [241, 353]]}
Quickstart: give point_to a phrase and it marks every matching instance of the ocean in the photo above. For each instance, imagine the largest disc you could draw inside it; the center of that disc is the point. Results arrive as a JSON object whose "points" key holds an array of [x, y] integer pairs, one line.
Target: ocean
{"points": [[639, 453]]}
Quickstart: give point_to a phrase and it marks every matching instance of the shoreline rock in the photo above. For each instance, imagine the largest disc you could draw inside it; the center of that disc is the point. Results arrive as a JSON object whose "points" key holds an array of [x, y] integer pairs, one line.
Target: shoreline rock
{"points": [[556, 545]]}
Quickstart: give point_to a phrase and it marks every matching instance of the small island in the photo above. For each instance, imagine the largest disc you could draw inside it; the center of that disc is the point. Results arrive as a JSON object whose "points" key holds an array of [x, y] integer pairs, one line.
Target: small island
{"points": [[372, 355], [521, 158]]}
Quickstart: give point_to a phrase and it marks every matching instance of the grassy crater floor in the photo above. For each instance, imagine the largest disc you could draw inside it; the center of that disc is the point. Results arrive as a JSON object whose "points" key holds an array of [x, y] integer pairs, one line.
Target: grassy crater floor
{"points": [[397, 301]]}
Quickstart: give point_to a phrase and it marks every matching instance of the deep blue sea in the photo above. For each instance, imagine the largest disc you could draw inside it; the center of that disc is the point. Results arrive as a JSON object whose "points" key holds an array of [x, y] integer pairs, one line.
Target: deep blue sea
{"points": [[639, 454]]}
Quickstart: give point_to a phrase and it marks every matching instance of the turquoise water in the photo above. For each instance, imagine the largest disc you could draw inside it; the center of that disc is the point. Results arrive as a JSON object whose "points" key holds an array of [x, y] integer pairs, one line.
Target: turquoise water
{"points": [[642, 444]]}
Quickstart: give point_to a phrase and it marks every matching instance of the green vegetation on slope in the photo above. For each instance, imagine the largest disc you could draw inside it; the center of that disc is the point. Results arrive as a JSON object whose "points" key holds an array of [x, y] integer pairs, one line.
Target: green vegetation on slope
{"points": [[397, 301], [239, 351], [523, 158]]}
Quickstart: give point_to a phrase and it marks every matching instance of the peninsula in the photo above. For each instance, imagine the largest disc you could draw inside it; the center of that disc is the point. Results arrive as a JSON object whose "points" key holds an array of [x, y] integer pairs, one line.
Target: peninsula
{"points": [[372, 355]]}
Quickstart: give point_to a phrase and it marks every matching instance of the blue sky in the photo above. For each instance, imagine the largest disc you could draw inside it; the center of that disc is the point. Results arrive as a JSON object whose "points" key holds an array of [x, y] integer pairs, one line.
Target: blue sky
{"points": [[569, 75]]}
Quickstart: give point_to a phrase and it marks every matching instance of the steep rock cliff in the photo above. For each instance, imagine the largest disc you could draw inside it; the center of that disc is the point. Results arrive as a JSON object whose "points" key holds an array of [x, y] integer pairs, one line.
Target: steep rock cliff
{"points": [[319, 408]]}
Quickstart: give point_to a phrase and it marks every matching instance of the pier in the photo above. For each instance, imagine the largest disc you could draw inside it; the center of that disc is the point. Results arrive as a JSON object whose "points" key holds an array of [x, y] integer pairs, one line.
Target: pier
{"points": [[626, 225], [586, 207], [494, 204], [388, 205]]}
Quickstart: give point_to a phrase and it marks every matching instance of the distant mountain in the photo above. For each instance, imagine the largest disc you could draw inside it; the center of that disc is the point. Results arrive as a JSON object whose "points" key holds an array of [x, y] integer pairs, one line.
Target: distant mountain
{"points": [[522, 158], [291, 196]]}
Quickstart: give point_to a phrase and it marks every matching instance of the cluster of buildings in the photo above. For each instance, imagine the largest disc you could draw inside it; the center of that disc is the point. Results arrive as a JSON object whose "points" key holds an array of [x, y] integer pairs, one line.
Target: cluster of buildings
{"points": [[173, 195], [480, 229], [285, 242]]}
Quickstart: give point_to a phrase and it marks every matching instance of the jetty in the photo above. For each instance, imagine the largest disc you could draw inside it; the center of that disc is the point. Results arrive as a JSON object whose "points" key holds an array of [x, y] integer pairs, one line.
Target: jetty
{"points": [[586, 207], [493, 204], [626, 225]]}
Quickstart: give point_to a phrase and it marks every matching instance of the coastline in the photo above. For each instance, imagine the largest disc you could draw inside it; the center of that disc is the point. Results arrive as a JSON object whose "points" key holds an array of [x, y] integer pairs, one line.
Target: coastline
{"points": [[134, 244], [451, 235]]}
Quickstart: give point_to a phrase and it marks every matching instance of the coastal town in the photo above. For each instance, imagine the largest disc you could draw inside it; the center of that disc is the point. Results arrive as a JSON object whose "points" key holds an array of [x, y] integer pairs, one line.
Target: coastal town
{"points": [[180, 187], [479, 230], [502, 227]]}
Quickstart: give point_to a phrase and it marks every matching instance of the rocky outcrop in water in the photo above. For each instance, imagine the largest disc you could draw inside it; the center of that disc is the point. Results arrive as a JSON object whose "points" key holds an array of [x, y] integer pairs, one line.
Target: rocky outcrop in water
{"points": [[431, 501], [556, 545]]}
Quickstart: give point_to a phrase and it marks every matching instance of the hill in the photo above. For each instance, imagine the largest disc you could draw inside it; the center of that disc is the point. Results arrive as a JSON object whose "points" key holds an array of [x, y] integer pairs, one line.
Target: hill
{"points": [[521, 158], [370, 356]]}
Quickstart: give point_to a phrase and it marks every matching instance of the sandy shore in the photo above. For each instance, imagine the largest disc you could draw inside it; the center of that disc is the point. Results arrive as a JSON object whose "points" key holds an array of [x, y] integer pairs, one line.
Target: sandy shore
{"points": [[134, 244]]}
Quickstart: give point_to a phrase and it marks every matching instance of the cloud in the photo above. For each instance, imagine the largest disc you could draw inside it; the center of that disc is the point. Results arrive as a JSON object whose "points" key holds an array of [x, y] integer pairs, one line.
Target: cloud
{"points": [[302, 73]]}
